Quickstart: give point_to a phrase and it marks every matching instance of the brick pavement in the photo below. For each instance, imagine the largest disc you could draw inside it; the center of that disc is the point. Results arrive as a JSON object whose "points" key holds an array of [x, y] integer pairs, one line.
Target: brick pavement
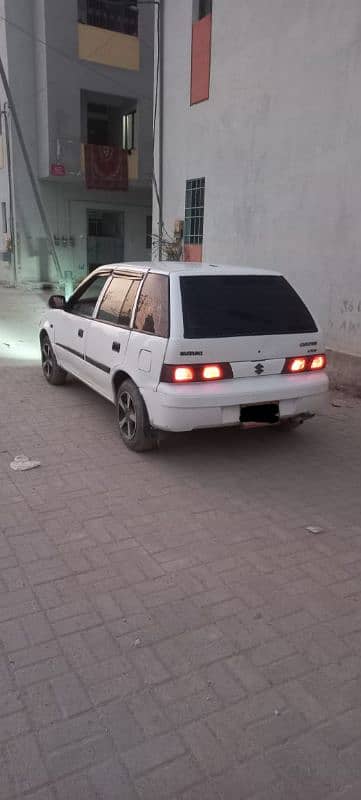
{"points": [[169, 630]]}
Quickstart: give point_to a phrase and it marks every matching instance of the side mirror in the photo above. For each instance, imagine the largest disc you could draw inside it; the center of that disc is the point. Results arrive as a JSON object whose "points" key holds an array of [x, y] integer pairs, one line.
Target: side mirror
{"points": [[56, 301]]}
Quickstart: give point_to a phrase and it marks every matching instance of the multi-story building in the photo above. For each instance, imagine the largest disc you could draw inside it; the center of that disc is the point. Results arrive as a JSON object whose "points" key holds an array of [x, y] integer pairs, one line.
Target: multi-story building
{"points": [[261, 145], [81, 77]]}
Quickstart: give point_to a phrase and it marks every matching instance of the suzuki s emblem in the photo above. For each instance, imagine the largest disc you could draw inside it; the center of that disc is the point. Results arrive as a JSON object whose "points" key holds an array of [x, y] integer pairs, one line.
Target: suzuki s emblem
{"points": [[259, 368]]}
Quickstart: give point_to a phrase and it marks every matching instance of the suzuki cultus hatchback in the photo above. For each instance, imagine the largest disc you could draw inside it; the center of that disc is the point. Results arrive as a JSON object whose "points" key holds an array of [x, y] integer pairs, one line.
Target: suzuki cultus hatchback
{"points": [[179, 346]]}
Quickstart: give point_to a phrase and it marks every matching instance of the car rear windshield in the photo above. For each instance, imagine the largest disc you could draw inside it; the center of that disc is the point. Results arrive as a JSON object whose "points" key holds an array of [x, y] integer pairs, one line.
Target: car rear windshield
{"points": [[241, 305]]}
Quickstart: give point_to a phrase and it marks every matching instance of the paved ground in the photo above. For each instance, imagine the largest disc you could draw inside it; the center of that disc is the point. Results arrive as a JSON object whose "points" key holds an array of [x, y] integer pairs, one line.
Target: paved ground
{"points": [[169, 629]]}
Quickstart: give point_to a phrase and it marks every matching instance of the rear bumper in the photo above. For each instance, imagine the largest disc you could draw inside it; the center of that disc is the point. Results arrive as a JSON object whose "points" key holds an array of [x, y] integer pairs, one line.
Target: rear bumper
{"points": [[185, 408]]}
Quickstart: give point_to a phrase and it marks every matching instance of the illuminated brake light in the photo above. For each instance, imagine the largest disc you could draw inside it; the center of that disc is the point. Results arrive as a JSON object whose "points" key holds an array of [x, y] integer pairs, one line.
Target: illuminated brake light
{"points": [[304, 364], [183, 374], [297, 365], [213, 372], [318, 362], [195, 373]]}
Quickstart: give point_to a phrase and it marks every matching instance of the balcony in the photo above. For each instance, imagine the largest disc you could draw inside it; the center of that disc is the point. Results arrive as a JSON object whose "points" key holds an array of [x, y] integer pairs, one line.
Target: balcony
{"points": [[112, 15], [68, 161], [108, 33]]}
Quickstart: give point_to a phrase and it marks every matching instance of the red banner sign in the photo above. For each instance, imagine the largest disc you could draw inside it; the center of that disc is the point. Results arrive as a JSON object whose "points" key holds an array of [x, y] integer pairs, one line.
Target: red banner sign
{"points": [[58, 170]]}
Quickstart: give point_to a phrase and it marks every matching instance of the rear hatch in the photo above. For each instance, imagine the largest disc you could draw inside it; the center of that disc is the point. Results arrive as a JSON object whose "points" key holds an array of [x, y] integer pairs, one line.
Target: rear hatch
{"points": [[252, 321]]}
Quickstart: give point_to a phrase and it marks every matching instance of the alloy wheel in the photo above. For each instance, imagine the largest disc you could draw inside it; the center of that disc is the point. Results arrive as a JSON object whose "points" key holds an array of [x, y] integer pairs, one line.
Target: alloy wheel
{"points": [[47, 358], [127, 416]]}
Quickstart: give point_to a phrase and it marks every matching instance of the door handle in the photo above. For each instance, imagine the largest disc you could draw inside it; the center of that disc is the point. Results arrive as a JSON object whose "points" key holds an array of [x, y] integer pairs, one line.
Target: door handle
{"points": [[80, 333], [116, 347]]}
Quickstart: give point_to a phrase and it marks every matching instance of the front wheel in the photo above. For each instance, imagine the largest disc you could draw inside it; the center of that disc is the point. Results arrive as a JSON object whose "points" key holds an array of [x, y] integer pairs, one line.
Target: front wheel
{"points": [[133, 420], [53, 374]]}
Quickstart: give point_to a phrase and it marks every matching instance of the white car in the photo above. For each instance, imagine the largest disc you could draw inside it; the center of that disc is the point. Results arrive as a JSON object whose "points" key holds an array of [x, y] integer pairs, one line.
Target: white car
{"points": [[179, 346]]}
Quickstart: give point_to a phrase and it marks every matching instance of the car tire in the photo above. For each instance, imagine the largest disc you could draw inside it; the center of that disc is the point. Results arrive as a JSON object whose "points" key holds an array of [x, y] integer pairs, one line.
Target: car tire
{"points": [[132, 418], [53, 374]]}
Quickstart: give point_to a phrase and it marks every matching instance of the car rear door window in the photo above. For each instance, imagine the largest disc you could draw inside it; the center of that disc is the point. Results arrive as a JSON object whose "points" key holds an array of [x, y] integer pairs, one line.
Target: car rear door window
{"points": [[118, 301], [152, 315], [83, 301], [222, 306]]}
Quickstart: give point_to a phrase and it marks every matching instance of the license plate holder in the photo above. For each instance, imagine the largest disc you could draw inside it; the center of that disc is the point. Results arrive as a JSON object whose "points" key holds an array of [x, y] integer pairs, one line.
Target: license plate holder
{"points": [[259, 414]]}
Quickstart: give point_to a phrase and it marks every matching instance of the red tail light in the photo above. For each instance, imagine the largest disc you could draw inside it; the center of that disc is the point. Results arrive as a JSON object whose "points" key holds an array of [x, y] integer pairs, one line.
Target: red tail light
{"points": [[318, 362], [183, 374], [297, 365], [304, 364], [195, 373], [213, 372]]}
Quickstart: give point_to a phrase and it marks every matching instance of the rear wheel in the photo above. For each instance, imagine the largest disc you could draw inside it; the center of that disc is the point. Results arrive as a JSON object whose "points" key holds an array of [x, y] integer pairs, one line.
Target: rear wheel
{"points": [[53, 374], [133, 420]]}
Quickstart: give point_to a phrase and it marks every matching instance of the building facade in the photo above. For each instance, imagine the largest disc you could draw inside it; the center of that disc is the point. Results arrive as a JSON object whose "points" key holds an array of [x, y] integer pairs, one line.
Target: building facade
{"points": [[81, 77], [261, 145]]}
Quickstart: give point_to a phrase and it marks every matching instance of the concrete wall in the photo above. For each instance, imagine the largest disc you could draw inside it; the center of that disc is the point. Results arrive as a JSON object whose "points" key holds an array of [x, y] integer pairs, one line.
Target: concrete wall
{"points": [[279, 144], [46, 81]]}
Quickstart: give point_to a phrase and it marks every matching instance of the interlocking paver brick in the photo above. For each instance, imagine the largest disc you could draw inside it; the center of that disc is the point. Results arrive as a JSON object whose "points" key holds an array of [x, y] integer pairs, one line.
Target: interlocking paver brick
{"points": [[243, 781], [226, 685], [21, 766], [69, 694], [250, 677], [210, 753], [13, 725], [148, 714], [40, 702], [111, 782], [126, 732], [148, 666], [194, 707], [168, 627], [37, 628], [74, 744], [310, 763], [47, 793], [194, 649], [286, 668], [152, 753], [12, 636], [32, 655], [227, 724], [9, 701], [297, 697], [76, 787], [168, 780]]}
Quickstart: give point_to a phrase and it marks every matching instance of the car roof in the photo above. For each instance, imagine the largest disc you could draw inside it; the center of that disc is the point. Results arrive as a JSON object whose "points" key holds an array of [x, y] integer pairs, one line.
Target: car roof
{"points": [[185, 268]]}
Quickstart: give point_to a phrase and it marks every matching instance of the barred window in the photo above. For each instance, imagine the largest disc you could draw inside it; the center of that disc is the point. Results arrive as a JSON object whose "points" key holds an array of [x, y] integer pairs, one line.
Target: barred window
{"points": [[194, 211]]}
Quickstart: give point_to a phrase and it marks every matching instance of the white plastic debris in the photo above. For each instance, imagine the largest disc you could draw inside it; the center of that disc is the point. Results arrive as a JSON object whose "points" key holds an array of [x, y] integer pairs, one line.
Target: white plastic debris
{"points": [[314, 529], [23, 463]]}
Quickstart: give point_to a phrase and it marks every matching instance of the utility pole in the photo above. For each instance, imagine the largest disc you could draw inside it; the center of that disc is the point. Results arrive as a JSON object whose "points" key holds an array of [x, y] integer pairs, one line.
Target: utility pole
{"points": [[29, 168], [160, 123], [11, 195]]}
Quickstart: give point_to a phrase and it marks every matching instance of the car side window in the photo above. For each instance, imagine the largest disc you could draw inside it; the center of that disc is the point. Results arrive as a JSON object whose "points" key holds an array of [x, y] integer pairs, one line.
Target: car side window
{"points": [[152, 315], [118, 301], [84, 301]]}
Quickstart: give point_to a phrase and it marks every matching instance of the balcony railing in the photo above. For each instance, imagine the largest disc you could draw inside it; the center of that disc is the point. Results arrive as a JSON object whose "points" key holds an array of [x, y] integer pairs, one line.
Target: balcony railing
{"points": [[68, 160], [66, 157], [113, 15]]}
